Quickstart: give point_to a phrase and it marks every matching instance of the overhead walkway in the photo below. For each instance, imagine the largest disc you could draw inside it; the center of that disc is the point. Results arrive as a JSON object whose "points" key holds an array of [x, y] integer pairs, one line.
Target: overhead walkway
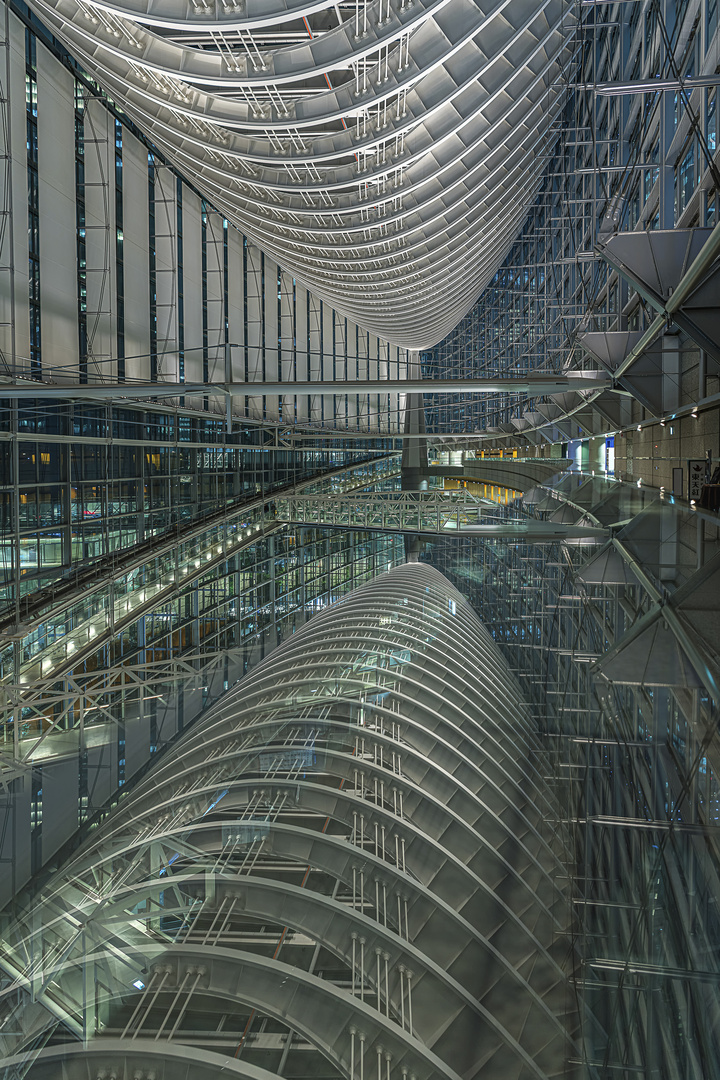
{"points": [[439, 513], [104, 669]]}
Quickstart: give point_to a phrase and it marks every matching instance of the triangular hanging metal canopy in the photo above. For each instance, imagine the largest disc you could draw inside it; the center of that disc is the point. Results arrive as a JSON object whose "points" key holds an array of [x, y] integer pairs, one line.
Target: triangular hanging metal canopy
{"points": [[608, 405], [650, 537], [535, 495], [606, 567], [545, 505], [656, 261], [700, 315], [611, 348], [652, 657], [567, 515], [697, 603], [644, 379]]}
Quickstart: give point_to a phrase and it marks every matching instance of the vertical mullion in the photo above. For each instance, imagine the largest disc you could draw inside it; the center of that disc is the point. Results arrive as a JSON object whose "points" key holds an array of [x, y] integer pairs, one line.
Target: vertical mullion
{"points": [[152, 264], [81, 250], [119, 255], [31, 106]]}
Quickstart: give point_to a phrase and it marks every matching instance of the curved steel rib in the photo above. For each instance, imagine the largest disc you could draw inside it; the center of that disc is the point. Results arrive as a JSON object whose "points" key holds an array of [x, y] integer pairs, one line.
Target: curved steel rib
{"points": [[350, 859]]}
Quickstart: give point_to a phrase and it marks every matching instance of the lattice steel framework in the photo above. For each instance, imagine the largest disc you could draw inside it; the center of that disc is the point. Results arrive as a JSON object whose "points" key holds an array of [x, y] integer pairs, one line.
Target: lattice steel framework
{"points": [[616, 648], [627, 158]]}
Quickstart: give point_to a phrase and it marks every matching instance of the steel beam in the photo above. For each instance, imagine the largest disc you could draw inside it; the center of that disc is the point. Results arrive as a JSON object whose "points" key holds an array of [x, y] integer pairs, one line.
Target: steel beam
{"points": [[537, 383]]}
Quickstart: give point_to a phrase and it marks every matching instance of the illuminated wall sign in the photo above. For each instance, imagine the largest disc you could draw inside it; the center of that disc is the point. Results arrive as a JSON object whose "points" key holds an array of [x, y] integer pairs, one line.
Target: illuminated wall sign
{"points": [[696, 477]]}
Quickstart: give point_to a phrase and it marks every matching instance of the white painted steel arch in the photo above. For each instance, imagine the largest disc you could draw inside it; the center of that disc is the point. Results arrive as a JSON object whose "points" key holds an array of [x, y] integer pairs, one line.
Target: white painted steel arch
{"points": [[384, 152], [359, 846]]}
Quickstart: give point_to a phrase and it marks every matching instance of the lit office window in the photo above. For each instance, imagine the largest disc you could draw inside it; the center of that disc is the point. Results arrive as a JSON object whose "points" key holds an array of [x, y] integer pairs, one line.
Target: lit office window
{"points": [[711, 121], [685, 179]]}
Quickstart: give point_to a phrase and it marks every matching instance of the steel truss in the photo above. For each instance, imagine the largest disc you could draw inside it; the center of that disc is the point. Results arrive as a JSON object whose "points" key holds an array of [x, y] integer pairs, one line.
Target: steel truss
{"points": [[634, 168], [420, 512]]}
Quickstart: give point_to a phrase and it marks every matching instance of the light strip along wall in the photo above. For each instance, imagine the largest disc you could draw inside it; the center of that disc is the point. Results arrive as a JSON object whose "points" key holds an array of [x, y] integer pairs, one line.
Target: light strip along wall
{"points": [[349, 870]]}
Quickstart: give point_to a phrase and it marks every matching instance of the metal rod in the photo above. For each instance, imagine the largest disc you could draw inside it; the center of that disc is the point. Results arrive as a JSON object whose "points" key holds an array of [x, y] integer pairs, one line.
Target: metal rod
{"points": [[354, 960], [535, 384]]}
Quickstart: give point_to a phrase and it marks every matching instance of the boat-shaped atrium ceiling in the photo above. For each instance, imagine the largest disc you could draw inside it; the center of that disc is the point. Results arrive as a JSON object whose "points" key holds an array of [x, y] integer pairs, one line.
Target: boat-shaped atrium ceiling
{"points": [[385, 153]]}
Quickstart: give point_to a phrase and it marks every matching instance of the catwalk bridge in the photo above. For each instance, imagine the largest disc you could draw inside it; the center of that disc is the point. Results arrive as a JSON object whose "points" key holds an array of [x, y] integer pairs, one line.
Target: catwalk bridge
{"points": [[440, 513]]}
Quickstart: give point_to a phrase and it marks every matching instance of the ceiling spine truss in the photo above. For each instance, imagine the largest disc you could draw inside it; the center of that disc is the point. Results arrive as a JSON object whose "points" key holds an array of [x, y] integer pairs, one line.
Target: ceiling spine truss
{"points": [[355, 858], [385, 153]]}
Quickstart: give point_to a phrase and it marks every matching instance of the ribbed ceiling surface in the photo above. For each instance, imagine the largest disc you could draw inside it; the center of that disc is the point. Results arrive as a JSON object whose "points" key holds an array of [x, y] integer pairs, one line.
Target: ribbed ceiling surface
{"points": [[384, 153]]}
